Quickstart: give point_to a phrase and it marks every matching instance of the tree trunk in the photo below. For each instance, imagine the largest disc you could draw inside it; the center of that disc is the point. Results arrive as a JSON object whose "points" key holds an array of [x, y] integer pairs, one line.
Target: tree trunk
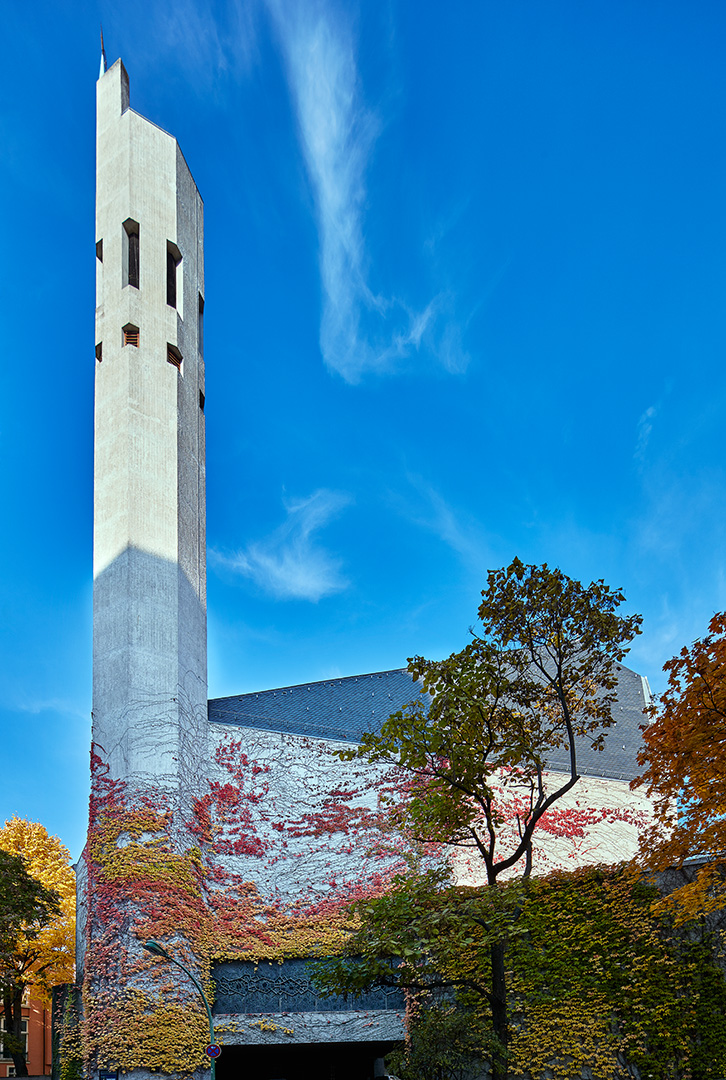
{"points": [[500, 1020], [13, 1015]]}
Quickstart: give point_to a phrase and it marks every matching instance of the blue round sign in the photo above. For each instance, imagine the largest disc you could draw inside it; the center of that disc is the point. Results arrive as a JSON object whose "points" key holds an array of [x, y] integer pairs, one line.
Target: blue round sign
{"points": [[213, 1051]]}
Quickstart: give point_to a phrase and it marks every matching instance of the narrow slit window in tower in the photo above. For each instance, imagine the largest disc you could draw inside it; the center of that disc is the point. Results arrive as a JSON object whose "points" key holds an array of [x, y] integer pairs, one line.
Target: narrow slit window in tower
{"points": [[170, 280], [201, 400], [131, 253], [99, 351], [134, 260], [99, 272], [200, 326], [131, 335], [174, 356], [173, 262]]}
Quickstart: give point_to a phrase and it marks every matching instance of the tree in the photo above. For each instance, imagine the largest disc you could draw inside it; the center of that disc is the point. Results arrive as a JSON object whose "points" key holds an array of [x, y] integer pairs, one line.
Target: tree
{"points": [[37, 921], [444, 1041], [598, 985], [684, 749], [26, 908], [538, 676]]}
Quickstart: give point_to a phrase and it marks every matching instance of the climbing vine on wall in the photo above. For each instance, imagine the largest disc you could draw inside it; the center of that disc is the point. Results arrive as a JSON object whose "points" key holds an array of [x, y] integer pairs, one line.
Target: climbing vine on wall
{"points": [[141, 867], [262, 864], [263, 867], [599, 983]]}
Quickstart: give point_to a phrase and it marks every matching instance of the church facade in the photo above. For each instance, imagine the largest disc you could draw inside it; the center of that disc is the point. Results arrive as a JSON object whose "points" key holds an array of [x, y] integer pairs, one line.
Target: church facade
{"points": [[229, 830]]}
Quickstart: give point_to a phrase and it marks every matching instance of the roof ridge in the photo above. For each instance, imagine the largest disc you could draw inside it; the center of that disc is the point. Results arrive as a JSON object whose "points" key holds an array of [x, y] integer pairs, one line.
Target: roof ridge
{"points": [[314, 682]]}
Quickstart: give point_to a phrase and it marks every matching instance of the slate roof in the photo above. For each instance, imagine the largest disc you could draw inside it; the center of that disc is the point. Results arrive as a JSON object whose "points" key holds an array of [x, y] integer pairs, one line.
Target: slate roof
{"points": [[332, 709], [345, 708], [618, 760]]}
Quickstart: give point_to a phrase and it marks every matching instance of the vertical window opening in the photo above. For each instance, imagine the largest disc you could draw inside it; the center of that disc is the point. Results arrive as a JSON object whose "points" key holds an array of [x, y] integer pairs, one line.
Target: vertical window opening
{"points": [[131, 335], [201, 400], [200, 326], [173, 262], [170, 280], [134, 260], [174, 356], [131, 253], [99, 272], [99, 351]]}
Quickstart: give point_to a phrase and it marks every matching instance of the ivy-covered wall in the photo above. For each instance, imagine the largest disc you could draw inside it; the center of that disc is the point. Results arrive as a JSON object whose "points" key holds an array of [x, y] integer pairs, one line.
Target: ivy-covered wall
{"points": [[264, 865], [598, 821], [601, 988]]}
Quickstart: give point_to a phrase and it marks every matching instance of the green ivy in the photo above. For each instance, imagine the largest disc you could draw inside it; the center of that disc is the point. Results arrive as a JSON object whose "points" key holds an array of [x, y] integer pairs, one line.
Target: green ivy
{"points": [[599, 983], [71, 1057], [445, 1042]]}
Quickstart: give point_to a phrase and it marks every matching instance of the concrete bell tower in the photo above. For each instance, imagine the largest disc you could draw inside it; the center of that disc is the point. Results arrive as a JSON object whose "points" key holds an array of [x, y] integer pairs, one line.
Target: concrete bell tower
{"points": [[149, 600]]}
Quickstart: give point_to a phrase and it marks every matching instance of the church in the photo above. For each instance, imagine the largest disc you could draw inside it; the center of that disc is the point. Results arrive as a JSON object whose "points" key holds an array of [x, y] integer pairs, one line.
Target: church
{"points": [[229, 830]]}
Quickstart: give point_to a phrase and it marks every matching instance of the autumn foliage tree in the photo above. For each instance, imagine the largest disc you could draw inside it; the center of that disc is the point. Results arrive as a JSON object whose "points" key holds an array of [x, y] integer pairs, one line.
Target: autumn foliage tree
{"points": [[684, 751], [538, 677], [37, 921]]}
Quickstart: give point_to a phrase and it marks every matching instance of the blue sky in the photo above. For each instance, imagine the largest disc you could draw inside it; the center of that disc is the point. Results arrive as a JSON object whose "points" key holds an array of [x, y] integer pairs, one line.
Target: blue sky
{"points": [[465, 300]]}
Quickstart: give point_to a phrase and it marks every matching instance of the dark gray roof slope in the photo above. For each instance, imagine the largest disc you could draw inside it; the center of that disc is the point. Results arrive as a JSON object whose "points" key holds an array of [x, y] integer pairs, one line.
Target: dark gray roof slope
{"points": [[622, 741], [345, 708], [333, 709]]}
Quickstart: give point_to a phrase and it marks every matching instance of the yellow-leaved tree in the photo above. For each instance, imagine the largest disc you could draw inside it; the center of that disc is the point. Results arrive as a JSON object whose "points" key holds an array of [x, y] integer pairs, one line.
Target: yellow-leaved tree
{"points": [[39, 947]]}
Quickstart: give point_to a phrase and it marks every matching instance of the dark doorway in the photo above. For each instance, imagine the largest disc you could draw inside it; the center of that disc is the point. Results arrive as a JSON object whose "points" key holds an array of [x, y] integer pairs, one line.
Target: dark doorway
{"points": [[316, 1061]]}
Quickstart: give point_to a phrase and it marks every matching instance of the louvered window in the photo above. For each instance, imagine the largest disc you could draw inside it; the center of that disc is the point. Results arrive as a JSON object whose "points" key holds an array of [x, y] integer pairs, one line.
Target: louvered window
{"points": [[131, 335], [174, 356]]}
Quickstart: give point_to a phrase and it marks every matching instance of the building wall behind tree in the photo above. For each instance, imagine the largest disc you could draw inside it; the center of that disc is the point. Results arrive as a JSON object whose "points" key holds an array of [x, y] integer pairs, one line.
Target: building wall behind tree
{"points": [[37, 1028]]}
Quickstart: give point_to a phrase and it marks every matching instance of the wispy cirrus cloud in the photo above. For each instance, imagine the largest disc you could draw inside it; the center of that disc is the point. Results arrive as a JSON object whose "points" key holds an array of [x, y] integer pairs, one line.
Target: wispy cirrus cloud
{"points": [[290, 564], [462, 534], [645, 427], [36, 706], [207, 40], [360, 331]]}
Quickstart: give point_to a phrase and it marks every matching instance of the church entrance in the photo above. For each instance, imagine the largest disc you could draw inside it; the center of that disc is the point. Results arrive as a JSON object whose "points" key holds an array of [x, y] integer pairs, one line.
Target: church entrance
{"points": [[310, 1061]]}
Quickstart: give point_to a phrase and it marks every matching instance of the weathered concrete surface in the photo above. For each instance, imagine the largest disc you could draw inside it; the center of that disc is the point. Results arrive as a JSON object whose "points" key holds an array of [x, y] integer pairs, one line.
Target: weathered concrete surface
{"points": [[149, 551], [149, 662]]}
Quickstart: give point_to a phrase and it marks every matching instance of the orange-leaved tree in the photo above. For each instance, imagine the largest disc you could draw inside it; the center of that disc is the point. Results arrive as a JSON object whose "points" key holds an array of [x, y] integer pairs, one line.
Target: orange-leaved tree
{"points": [[39, 950], [685, 754]]}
